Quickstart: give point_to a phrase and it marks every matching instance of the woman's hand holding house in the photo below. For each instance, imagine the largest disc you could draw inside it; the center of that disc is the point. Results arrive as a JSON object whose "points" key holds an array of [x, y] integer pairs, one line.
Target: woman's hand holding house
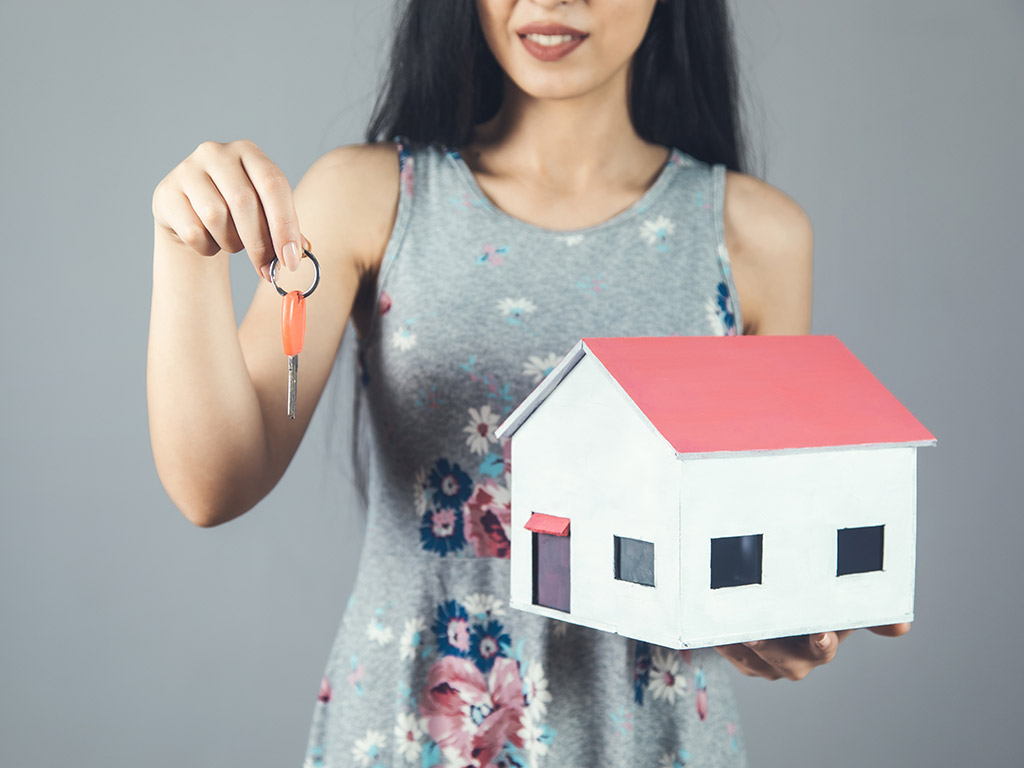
{"points": [[793, 658]]}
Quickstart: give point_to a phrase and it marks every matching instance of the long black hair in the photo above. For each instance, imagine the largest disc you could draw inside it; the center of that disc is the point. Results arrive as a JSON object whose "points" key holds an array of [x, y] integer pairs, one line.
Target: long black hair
{"points": [[443, 79]]}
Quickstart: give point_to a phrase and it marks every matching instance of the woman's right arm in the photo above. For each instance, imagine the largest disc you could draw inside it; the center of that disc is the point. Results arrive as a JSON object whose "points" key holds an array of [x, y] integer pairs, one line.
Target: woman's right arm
{"points": [[216, 392]]}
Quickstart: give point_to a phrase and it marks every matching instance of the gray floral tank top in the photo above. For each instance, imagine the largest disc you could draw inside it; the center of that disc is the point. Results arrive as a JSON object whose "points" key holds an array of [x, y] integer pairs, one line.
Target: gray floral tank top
{"points": [[430, 666]]}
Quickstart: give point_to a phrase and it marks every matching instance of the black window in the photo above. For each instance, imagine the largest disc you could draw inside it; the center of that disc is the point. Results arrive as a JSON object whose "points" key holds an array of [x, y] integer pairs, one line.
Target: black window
{"points": [[735, 561], [634, 561], [859, 550]]}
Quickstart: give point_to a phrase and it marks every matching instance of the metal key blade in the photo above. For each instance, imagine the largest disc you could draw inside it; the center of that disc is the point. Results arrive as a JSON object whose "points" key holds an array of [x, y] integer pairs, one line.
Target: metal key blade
{"points": [[293, 384]]}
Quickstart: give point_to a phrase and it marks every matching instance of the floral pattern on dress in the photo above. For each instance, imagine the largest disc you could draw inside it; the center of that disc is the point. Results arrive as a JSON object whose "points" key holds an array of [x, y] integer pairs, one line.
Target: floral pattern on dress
{"points": [[657, 231], [469, 694], [490, 519], [537, 367], [482, 704], [480, 429], [720, 312]]}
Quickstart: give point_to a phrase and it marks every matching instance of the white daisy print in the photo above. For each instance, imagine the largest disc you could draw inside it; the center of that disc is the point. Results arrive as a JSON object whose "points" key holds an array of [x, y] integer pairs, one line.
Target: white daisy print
{"points": [[408, 731], [480, 429], [403, 339], [368, 749], [535, 689], [656, 231], [666, 681], [514, 309], [484, 606], [538, 367], [714, 318], [723, 254], [379, 632], [412, 638], [533, 735]]}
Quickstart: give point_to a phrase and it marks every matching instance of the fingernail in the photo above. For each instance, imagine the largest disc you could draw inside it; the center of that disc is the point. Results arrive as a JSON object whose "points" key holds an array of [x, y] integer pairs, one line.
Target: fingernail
{"points": [[292, 254], [265, 271], [306, 244]]}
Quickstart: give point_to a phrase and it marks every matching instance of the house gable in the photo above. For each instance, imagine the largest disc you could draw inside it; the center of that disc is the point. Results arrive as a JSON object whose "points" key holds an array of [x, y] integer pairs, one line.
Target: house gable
{"points": [[587, 456]]}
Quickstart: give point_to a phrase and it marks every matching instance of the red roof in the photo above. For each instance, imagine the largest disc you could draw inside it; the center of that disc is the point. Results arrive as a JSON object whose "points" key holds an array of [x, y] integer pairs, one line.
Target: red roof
{"points": [[541, 523], [750, 393]]}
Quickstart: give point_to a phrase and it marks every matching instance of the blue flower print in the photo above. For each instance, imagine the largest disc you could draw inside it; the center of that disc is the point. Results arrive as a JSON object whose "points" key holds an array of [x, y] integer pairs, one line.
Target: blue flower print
{"points": [[451, 485], [441, 530], [452, 629], [488, 642], [725, 312], [641, 671], [493, 255]]}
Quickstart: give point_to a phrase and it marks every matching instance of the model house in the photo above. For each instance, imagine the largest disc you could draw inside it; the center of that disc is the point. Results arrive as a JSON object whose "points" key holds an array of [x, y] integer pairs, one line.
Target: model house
{"points": [[695, 491]]}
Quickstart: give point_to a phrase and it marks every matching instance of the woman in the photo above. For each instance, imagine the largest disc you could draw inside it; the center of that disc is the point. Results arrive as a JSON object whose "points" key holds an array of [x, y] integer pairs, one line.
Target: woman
{"points": [[554, 170]]}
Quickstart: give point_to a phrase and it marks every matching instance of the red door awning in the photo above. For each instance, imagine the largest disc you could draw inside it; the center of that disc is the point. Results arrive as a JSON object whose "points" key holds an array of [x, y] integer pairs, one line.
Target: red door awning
{"points": [[541, 523]]}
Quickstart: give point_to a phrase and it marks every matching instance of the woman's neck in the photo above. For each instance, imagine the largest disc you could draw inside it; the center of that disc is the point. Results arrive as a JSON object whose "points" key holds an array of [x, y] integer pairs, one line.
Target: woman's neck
{"points": [[563, 144]]}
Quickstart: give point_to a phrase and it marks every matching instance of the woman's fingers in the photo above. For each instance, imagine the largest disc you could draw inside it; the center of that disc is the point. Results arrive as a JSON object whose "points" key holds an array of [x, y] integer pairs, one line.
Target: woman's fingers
{"points": [[246, 226], [230, 197], [275, 193], [892, 630], [748, 662], [794, 657]]}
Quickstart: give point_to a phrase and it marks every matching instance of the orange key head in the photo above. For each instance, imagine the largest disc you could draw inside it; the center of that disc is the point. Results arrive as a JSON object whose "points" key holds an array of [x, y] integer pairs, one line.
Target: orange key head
{"points": [[293, 322]]}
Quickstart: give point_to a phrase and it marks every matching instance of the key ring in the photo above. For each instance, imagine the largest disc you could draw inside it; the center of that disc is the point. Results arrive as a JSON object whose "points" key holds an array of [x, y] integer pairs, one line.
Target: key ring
{"points": [[316, 275]]}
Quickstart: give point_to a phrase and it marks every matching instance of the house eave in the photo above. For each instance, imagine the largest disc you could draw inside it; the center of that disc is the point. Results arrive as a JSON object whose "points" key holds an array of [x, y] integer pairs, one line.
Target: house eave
{"points": [[809, 449], [540, 392]]}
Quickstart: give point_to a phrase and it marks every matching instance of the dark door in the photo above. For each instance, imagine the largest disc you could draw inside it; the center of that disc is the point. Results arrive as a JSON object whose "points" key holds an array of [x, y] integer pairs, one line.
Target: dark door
{"points": [[551, 571]]}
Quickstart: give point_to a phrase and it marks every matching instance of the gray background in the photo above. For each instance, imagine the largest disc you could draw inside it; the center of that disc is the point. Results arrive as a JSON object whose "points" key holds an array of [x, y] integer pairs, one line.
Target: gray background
{"points": [[130, 637]]}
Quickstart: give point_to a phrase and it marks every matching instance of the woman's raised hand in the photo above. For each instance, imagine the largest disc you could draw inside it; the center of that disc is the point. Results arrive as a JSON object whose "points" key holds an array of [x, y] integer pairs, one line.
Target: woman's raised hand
{"points": [[229, 197]]}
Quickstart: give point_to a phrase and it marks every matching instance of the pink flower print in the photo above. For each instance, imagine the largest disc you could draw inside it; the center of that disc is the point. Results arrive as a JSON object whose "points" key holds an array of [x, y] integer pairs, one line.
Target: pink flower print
{"points": [[355, 677], [591, 285], [472, 716], [678, 158], [384, 303], [452, 629], [490, 519], [701, 684], [406, 175], [623, 720], [493, 255], [325, 690]]}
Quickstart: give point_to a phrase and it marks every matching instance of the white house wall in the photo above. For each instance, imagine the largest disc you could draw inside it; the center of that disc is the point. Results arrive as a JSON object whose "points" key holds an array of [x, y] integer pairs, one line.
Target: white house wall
{"points": [[797, 502], [588, 455]]}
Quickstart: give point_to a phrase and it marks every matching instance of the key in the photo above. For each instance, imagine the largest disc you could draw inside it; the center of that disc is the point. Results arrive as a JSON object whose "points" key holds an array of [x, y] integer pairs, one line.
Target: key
{"points": [[293, 326], [293, 332]]}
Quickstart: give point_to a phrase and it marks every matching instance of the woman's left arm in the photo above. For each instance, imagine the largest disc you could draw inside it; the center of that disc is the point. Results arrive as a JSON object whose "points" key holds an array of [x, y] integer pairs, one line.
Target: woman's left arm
{"points": [[771, 244]]}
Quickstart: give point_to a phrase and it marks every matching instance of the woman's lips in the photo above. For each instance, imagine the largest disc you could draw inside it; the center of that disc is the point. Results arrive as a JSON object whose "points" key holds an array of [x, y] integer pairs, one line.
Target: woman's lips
{"points": [[550, 52]]}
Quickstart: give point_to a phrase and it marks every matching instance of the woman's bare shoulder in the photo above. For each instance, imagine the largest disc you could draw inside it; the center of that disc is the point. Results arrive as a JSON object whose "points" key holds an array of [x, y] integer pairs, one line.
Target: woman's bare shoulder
{"points": [[355, 191], [770, 243]]}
